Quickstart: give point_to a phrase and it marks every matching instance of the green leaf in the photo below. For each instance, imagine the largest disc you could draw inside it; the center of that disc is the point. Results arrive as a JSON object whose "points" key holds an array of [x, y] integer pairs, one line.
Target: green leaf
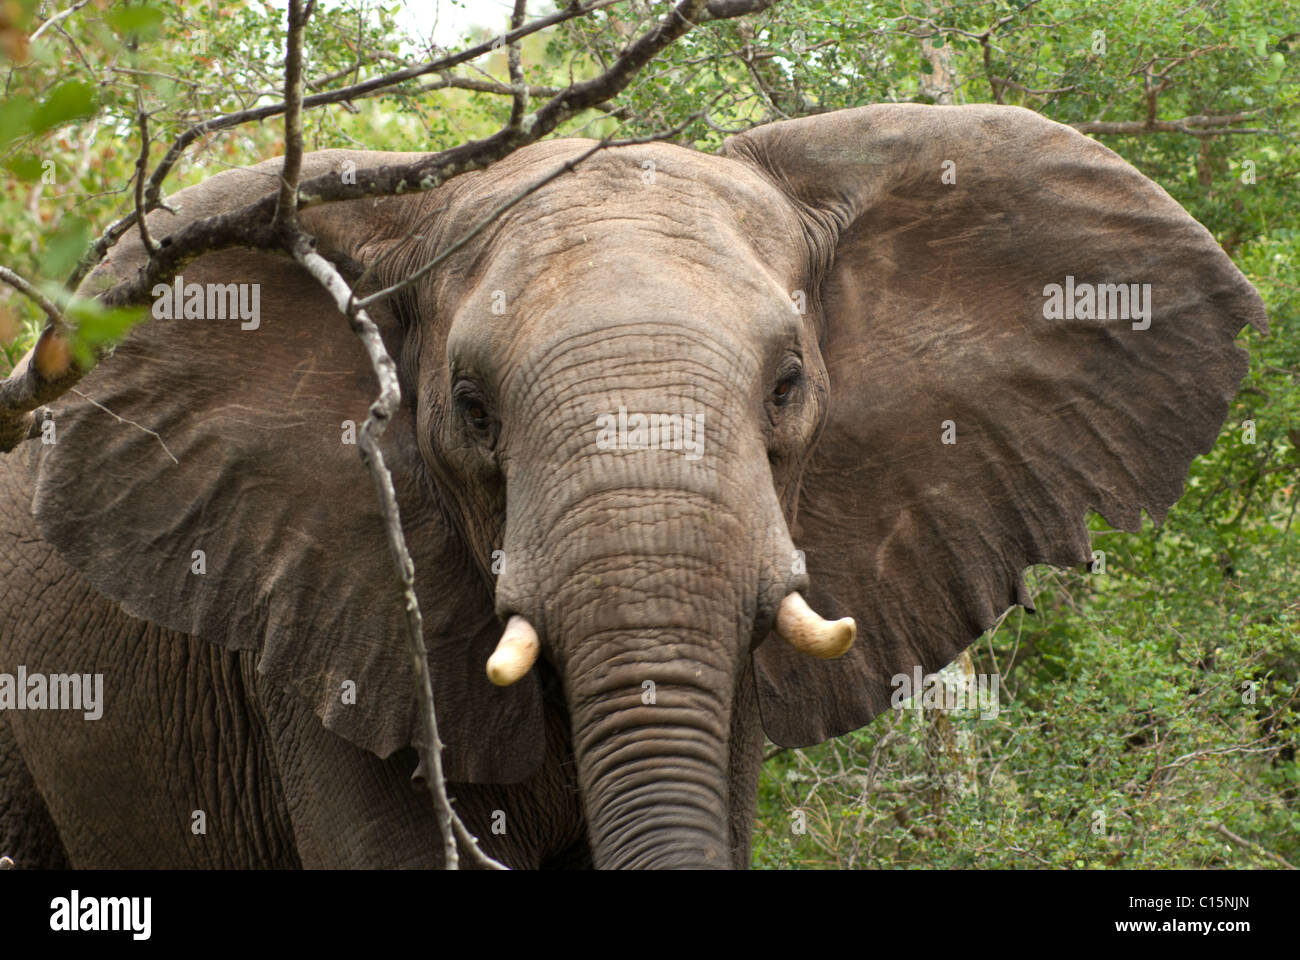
{"points": [[15, 117], [927, 66], [25, 167], [143, 21], [97, 325], [68, 101], [64, 249]]}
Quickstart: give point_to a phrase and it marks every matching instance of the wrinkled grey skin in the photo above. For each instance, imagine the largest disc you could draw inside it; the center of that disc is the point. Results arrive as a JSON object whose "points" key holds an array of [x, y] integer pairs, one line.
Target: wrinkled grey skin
{"points": [[643, 571]]}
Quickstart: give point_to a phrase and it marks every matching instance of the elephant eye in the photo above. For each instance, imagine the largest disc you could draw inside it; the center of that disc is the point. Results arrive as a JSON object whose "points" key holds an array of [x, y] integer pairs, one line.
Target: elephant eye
{"points": [[784, 389], [473, 409]]}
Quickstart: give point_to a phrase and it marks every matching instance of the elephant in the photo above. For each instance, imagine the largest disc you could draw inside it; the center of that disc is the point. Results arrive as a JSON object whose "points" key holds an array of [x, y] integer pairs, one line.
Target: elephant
{"points": [[694, 449]]}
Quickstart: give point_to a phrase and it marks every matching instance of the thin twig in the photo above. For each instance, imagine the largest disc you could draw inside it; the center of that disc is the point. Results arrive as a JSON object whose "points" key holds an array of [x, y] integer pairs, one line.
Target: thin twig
{"points": [[518, 89], [55, 19], [132, 423], [567, 167], [1252, 846], [41, 300], [381, 412]]}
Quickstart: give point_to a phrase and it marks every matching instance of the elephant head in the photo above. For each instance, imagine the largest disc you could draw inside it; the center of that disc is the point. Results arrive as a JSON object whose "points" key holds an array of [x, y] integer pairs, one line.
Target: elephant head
{"points": [[870, 364]]}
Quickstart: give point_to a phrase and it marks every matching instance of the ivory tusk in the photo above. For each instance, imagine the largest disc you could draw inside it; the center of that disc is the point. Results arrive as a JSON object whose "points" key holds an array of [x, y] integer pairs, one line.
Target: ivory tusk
{"points": [[515, 654], [803, 629]]}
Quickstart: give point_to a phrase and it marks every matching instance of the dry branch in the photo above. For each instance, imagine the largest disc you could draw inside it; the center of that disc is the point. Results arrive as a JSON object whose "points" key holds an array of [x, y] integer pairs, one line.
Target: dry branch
{"points": [[355, 90], [285, 217], [518, 89], [249, 226], [1252, 846], [1200, 125], [381, 412]]}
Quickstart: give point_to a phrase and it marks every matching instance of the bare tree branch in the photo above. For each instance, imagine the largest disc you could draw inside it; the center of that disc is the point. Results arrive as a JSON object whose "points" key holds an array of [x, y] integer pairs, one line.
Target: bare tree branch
{"points": [[141, 168], [376, 85], [381, 412], [41, 377], [1200, 125], [1252, 846], [284, 225], [354, 91], [285, 217], [248, 226], [99, 249], [25, 287], [55, 19], [565, 102], [518, 89], [480, 86]]}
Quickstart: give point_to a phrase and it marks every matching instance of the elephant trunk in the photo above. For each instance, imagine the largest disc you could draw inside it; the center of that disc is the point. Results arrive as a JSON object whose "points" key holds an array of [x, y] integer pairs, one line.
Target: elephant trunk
{"points": [[647, 628], [651, 745]]}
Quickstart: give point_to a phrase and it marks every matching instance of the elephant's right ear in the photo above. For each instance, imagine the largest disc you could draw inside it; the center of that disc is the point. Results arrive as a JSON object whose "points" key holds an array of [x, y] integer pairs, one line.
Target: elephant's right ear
{"points": [[1018, 328], [223, 496]]}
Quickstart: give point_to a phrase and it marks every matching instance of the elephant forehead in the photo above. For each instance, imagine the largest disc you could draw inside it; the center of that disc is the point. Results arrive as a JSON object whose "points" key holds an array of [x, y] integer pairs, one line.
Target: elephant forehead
{"points": [[641, 238], [648, 174], [638, 203], [616, 337]]}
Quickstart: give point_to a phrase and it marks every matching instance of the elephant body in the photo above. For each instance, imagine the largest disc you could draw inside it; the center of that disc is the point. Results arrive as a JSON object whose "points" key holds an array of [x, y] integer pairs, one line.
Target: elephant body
{"points": [[235, 749], [659, 417]]}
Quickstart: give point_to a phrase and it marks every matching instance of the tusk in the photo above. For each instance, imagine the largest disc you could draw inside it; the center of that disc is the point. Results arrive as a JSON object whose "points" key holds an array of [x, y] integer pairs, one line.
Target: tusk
{"points": [[799, 626], [515, 654]]}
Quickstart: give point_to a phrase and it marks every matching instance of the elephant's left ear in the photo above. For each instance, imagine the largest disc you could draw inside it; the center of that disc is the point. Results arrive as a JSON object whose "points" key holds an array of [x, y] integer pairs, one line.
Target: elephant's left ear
{"points": [[1018, 328], [206, 479]]}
